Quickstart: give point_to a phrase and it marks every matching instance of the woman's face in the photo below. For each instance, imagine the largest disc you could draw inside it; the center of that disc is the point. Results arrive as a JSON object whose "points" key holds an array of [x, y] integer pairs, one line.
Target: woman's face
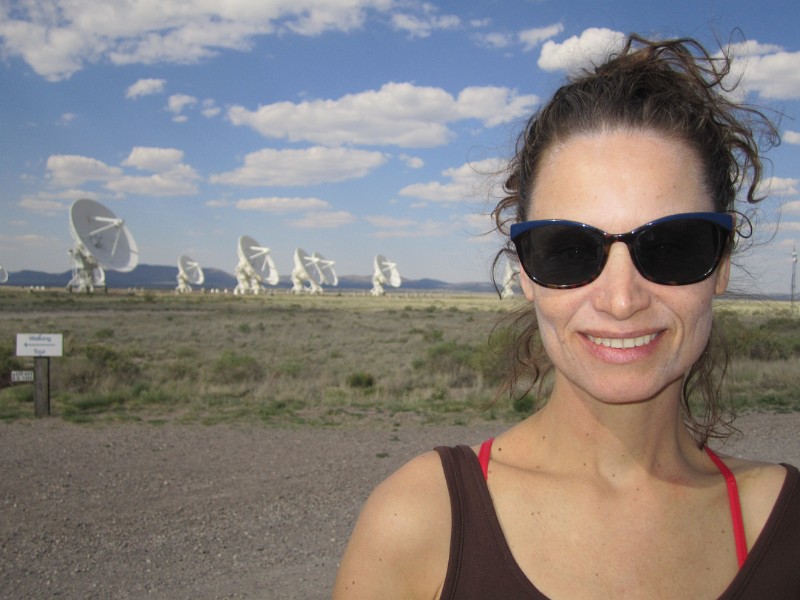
{"points": [[617, 181]]}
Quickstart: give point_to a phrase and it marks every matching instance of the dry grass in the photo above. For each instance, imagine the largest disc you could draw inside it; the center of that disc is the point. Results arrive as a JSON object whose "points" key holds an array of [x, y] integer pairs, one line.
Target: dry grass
{"points": [[319, 360]]}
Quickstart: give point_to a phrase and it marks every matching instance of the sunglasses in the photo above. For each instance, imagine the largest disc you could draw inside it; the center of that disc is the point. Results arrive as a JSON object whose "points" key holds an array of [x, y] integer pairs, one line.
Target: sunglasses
{"points": [[675, 250]]}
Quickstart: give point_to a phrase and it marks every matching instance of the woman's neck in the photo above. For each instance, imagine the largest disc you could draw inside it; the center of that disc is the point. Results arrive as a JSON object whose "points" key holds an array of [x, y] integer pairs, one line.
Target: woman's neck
{"points": [[616, 441]]}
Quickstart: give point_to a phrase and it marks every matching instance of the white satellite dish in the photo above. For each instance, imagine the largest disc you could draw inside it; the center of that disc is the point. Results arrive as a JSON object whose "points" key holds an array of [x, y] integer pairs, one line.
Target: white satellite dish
{"points": [[3, 274], [385, 273], [255, 267], [102, 241], [311, 272], [189, 273], [510, 278]]}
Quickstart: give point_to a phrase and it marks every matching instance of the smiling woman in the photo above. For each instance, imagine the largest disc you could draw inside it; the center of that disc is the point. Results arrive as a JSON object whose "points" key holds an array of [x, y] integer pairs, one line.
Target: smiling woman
{"points": [[621, 210]]}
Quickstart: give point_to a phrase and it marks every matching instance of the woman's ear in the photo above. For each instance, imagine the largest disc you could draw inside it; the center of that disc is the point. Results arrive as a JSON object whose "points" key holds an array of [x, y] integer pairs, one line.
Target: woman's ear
{"points": [[722, 275], [527, 285]]}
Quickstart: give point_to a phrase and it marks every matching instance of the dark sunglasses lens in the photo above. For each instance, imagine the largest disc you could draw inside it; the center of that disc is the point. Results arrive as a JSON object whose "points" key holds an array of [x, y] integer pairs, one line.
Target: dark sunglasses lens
{"points": [[561, 255], [679, 252]]}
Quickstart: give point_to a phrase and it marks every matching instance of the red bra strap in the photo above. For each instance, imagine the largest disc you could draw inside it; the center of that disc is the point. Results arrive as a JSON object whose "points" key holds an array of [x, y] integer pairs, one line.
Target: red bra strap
{"points": [[736, 508], [483, 456]]}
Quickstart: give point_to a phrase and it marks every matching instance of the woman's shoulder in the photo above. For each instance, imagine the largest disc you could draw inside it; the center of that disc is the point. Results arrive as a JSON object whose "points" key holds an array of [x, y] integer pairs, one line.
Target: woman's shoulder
{"points": [[401, 540], [759, 484]]}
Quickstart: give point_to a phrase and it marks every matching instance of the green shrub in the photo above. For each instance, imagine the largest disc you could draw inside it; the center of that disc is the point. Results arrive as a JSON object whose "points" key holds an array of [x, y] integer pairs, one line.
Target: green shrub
{"points": [[360, 380], [234, 368]]}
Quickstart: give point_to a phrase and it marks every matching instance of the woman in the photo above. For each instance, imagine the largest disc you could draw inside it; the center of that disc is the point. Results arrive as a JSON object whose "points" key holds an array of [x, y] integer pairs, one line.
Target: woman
{"points": [[609, 490]]}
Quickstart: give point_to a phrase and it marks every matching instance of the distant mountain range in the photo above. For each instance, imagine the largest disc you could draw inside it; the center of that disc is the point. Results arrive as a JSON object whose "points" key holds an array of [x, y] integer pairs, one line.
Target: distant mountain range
{"points": [[158, 277]]}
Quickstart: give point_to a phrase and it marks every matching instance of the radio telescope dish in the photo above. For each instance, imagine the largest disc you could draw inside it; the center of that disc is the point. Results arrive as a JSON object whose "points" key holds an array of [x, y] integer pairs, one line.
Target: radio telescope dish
{"points": [[189, 273], [255, 267], [311, 272], [3, 274], [385, 273], [102, 241], [510, 278]]}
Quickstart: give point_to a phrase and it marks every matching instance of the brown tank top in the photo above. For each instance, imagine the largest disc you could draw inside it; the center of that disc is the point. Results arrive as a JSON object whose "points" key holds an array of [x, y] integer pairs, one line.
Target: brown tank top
{"points": [[481, 566]]}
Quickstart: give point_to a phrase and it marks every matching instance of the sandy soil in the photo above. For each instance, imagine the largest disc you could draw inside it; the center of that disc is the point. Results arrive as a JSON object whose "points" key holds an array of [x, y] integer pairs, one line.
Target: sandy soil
{"points": [[134, 511]]}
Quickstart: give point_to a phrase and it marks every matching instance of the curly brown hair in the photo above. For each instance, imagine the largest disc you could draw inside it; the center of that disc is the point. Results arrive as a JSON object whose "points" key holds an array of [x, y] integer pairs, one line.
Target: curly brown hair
{"points": [[672, 87]]}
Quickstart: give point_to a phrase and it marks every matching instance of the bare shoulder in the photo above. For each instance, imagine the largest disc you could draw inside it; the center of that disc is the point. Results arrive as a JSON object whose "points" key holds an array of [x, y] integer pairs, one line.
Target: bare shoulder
{"points": [[400, 544], [759, 484]]}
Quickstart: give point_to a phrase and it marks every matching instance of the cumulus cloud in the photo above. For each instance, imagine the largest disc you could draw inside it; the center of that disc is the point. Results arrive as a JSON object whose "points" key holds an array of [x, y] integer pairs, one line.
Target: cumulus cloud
{"points": [[531, 38], [145, 87], [400, 114], [791, 137], [422, 25], [277, 205], [59, 40], [779, 186], [412, 162], [210, 108], [153, 159], [170, 178], [309, 166], [71, 170], [176, 104], [578, 52], [471, 181], [769, 71]]}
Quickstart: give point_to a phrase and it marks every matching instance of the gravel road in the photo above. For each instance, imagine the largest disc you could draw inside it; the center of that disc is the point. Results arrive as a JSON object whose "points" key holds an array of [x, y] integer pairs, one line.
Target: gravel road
{"points": [[171, 511]]}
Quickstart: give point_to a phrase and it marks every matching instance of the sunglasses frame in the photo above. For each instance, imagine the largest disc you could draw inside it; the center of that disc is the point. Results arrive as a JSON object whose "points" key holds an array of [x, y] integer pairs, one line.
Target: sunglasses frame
{"points": [[723, 221]]}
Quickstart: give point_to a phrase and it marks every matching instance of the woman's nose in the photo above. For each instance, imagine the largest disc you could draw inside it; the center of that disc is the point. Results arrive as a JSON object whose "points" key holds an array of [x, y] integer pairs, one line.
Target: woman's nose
{"points": [[621, 291]]}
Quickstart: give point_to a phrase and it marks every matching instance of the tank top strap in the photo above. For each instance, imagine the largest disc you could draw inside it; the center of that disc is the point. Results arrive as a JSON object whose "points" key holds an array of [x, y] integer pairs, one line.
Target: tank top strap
{"points": [[483, 456], [735, 506]]}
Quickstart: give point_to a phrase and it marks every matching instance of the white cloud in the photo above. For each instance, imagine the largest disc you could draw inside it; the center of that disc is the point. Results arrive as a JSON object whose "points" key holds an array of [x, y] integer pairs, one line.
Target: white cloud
{"points": [[791, 207], [495, 39], [423, 25], [578, 52], [412, 162], [493, 105], [764, 69], [177, 103], [67, 118], [171, 178], [66, 170], [779, 186], [531, 38], [177, 181], [43, 206], [323, 220], [57, 41], [469, 182], [302, 167], [791, 137], [153, 159], [278, 205], [400, 114], [210, 109], [145, 87]]}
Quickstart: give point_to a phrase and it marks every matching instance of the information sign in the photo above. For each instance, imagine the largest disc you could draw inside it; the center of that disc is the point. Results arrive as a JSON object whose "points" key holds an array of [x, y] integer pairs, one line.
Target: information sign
{"points": [[39, 344]]}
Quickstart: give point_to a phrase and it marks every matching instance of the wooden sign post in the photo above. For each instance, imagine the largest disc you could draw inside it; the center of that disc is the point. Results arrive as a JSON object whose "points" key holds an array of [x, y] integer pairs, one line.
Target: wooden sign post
{"points": [[41, 346]]}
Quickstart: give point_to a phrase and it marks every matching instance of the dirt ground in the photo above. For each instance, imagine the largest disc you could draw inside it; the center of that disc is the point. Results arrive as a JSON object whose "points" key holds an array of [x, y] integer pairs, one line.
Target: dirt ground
{"points": [[143, 511]]}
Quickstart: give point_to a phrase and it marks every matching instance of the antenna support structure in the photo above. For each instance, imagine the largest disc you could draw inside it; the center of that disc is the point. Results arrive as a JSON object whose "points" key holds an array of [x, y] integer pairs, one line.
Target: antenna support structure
{"points": [[101, 241], [385, 273], [255, 267], [311, 272]]}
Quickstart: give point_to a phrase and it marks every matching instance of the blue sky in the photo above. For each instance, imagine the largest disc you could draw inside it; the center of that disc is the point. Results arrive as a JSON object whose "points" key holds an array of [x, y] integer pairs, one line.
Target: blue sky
{"points": [[346, 127]]}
